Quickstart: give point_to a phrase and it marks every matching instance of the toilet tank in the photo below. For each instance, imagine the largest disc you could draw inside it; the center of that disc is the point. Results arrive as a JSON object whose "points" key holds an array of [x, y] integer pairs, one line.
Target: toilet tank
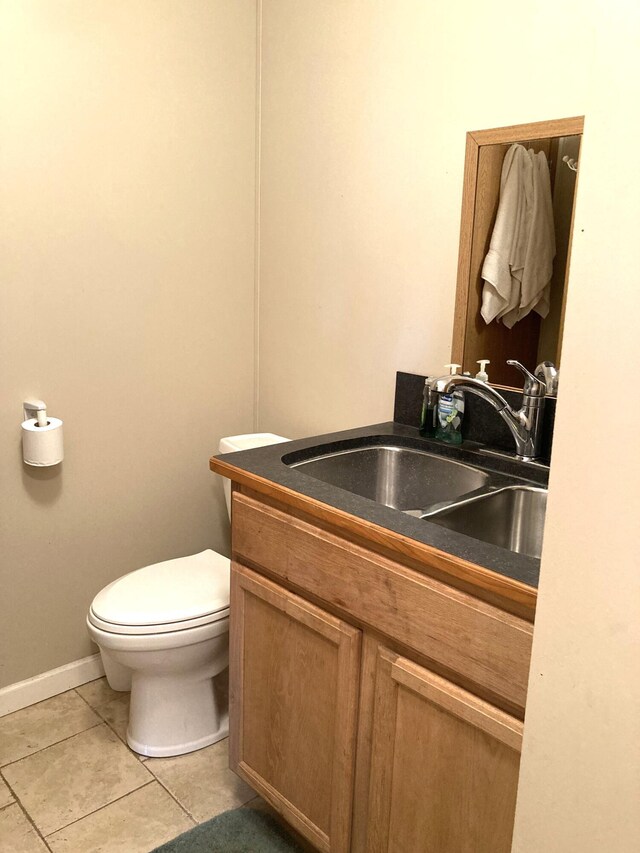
{"points": [[245, 442]]}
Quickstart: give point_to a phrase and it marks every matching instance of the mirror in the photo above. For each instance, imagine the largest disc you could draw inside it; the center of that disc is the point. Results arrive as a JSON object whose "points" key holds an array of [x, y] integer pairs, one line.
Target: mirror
{"points": [[532, 339]]}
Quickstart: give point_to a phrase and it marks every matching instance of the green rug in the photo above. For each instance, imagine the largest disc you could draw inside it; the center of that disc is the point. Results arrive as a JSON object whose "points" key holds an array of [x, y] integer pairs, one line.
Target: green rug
{"points": [[243, 830]]}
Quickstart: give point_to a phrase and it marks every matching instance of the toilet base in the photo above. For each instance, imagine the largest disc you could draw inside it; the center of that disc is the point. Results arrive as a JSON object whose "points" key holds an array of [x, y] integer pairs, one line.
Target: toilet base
{"points": [[173, 716], [181, 749]]}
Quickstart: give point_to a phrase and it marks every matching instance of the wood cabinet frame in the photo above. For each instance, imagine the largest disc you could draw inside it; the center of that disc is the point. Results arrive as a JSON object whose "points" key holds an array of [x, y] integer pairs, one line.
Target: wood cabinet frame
{"points": [[475, 141]]}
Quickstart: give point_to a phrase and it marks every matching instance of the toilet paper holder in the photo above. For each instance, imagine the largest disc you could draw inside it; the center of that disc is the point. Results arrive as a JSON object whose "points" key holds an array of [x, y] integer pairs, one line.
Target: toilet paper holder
{"points": [[35, 409], [42, 436]]}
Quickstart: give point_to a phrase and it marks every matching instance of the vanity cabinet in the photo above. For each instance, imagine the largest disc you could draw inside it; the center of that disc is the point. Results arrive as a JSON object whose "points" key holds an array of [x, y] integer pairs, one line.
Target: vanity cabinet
{"points": [[376, 707]]}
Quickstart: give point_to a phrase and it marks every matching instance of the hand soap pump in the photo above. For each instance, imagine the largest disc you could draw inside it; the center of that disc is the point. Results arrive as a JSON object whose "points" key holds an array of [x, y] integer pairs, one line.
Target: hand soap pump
{"points": [[482, 373], [450, 413]]}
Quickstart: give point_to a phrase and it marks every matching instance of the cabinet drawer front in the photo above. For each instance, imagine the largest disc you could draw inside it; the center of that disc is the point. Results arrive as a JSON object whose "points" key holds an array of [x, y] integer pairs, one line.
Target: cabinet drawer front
{"points": [[293, 701], [485, 645]]}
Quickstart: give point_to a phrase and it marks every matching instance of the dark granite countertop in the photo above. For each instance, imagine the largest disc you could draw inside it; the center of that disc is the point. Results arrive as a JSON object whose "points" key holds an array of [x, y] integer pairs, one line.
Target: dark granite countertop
{"points": [[267, 462]]}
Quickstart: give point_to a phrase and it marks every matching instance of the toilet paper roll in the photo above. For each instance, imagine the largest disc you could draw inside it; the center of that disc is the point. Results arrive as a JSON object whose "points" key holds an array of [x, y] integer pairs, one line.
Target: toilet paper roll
{"points": [[42, 446]]}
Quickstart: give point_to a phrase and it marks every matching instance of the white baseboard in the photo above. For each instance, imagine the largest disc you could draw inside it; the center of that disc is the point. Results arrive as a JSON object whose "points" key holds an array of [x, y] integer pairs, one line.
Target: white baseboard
{"points": [[48, 684]]}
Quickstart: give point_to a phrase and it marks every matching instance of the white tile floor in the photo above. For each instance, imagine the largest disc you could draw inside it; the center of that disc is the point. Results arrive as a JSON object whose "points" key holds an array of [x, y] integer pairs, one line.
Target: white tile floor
{"points": [[70, 784]]}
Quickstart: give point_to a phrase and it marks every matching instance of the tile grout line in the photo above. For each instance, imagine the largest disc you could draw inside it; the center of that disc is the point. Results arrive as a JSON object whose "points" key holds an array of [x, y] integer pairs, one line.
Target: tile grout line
{"points": [[100, 808], [80, 696], [107, 723], [173, 797], [3, 767], [184, 808], [148, 769], [87, 703], [18, 802]]}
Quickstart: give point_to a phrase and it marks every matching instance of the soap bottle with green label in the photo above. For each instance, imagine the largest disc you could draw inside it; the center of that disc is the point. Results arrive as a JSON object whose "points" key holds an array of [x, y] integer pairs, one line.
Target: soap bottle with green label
{"points": [[450, 413]]}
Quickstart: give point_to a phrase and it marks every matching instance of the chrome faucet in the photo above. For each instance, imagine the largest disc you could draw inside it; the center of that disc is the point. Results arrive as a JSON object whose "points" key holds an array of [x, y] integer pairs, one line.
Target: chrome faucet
{"points": [[525, 424]]}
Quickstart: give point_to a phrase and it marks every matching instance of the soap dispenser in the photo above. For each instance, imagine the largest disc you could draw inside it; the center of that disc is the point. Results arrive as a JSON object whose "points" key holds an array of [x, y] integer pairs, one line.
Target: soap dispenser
{"points": [[482, 373], [450, 413]]}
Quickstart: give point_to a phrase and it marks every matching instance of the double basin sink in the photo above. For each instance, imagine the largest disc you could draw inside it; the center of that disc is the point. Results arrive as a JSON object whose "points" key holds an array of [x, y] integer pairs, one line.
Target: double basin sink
{"points": [[479, 503]]}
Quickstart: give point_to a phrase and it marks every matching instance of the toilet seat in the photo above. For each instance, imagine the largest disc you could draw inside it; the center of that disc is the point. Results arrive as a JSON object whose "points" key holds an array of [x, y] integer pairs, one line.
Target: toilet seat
{"points": [[156, 641], [174, 595], [160, 628]]}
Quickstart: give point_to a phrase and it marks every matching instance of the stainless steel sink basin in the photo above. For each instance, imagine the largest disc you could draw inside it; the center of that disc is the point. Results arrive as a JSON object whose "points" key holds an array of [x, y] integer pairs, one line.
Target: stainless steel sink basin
{"points": [[399, 477], [480, 504], [512, 517]]}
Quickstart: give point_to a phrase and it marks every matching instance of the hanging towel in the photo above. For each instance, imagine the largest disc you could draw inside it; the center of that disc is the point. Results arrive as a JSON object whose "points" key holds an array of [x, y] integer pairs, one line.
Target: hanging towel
{"points": [[543, 240], [503, 265], [517, 269], [541, 247]]}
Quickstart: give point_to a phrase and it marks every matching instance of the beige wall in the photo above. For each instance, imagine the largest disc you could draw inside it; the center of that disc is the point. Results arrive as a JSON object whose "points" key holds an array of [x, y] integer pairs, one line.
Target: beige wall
{"points": [[127, 160], [365, 107], [580, 779], [364, 111]]}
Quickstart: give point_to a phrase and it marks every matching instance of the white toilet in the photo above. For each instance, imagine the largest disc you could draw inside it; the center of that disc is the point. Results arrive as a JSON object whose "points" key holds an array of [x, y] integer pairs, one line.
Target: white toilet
{"points": [[163, 634]]}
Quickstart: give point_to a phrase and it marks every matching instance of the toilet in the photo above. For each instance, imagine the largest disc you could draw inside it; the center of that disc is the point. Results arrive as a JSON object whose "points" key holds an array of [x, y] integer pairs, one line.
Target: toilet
{"points": [[163, 634]]}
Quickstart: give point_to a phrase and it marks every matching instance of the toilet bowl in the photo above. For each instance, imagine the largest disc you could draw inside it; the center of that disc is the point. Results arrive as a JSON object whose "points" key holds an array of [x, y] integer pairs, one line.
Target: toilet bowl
{"points": [[163, 634]]}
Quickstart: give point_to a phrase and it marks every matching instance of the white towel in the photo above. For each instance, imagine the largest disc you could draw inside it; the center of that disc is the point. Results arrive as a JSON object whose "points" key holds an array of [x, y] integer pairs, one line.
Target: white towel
{"points": [[518, 266], [505, 259], [543, 240], [540, 249]]}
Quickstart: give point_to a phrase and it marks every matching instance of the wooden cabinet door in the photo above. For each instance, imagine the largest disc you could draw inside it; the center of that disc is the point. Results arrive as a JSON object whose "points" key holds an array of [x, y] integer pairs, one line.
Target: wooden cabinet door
{"points": [[294, 684], [444, 765]]}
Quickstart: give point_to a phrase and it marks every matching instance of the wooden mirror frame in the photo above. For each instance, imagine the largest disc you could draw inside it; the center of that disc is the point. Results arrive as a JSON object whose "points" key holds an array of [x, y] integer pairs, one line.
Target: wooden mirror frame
{"points": [[475, 141]]}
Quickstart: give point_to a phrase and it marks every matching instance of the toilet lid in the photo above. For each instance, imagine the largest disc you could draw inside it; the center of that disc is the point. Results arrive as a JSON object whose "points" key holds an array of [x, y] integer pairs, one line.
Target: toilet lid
{"points": [[192, 590]]}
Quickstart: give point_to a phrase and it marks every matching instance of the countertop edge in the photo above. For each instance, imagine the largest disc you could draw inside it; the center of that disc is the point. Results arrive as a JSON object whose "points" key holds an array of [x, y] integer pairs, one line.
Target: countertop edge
{"points": [[456, 568]]}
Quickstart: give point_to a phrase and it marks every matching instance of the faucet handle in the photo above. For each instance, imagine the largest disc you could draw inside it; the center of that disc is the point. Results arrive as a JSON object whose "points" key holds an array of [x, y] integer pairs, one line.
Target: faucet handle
{"points": [[533, 387]]}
